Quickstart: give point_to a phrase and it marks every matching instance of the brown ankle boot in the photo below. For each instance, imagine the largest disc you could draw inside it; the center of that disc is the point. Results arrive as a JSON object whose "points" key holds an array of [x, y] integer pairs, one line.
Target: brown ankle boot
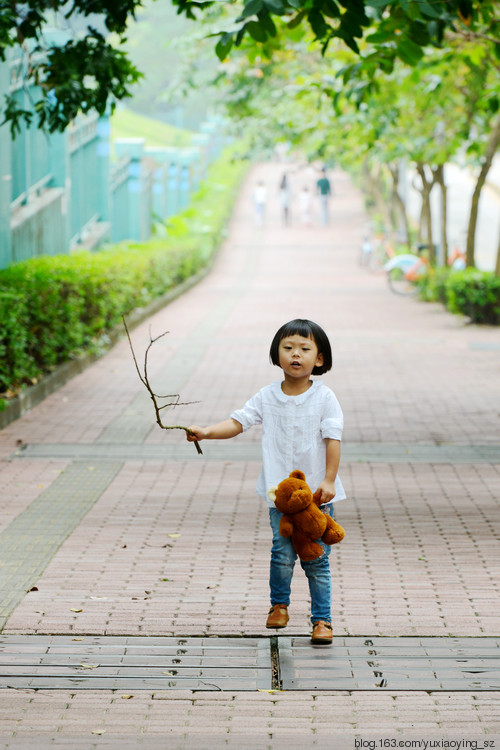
{"points": [[322, 632], [278, 616]]}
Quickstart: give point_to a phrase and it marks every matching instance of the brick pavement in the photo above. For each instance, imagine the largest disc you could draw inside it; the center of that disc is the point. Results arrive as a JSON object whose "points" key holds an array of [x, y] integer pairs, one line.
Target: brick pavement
{"points": [[179, 546]]}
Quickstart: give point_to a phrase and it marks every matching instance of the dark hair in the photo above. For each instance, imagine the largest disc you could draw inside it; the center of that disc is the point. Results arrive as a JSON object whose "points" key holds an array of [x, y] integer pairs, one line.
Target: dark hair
{"points": [[308, 330]]}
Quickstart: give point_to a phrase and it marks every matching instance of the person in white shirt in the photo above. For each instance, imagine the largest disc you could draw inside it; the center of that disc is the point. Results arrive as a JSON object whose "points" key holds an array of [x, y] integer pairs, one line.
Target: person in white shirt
{"points": [[302, 424], [260, 200], [305, 202]]}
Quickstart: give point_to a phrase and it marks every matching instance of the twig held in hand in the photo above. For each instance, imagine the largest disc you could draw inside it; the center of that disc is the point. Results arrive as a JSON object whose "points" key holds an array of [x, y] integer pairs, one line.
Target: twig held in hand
{"points": [[154, 396]]}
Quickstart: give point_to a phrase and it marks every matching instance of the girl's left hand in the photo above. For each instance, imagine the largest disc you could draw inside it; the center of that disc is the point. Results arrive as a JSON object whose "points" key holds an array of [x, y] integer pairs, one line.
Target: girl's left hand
{"points": [[327, 491]]}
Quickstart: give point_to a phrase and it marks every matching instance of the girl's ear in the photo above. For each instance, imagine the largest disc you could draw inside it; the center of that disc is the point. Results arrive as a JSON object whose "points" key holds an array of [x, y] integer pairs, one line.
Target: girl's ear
{"points": [[320, 360]]}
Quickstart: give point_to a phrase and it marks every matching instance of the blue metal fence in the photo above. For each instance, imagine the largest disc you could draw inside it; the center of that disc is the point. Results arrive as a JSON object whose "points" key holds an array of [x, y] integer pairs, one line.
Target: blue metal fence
{"points": [[61, 191]]}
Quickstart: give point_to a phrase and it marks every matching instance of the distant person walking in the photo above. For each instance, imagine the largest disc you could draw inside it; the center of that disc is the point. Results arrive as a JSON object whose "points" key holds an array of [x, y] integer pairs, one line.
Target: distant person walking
{"points": [[324, 190], [260, 201], [305, 201], [285, 197]]}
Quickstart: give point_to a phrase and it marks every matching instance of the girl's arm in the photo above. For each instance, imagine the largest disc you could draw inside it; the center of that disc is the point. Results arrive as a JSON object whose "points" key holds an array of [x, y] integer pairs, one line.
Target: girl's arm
{"points": [[327, 486], [220, 431]]}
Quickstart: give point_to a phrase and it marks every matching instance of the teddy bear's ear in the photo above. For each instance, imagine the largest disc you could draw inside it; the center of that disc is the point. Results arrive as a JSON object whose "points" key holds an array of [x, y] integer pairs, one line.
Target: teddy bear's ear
{"points": [[271, 493], [298, 474]]}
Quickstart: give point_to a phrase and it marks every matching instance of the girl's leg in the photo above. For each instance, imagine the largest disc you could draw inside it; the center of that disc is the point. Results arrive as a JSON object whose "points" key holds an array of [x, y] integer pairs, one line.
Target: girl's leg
{"points": [[320, 587], [320, 582], [283, 558]]}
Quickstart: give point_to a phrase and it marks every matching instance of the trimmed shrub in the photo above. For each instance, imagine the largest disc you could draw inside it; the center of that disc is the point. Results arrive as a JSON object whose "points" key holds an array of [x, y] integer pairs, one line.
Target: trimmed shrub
{"points": [[53, 308], [475, 294]]}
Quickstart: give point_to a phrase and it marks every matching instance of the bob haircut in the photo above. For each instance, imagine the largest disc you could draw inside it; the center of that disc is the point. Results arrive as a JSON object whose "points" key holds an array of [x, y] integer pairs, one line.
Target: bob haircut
{"points": [[308, 330]]}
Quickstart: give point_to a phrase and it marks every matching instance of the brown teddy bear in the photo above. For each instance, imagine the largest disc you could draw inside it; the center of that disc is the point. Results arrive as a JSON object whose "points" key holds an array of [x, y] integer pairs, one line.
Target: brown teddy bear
{"points": [[302, 519]]}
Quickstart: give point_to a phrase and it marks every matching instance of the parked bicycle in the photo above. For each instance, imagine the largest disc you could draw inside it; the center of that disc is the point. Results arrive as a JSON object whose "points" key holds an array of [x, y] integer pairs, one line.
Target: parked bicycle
{"points": [[374, 254], [404, 270]]}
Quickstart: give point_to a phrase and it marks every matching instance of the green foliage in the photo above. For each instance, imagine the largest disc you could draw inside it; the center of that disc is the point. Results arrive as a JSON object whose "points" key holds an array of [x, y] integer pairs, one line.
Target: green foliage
{"points": [[14, 338], [53, 308], [128, 124], [93, 68], [80, 74], [473, 293], [432, 285]]}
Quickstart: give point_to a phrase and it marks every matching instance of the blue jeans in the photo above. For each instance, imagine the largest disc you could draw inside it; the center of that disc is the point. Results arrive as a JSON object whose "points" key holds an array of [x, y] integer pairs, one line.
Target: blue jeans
{"points": [[283, 557]]}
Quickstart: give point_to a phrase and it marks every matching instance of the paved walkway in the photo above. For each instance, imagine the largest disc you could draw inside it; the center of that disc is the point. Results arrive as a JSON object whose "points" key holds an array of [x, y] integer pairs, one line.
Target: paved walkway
{"points": [[110, 526]]}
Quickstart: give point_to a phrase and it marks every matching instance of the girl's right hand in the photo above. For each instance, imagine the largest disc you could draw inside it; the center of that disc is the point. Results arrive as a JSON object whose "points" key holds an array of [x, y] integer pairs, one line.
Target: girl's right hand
{"points": [[196, 433]]}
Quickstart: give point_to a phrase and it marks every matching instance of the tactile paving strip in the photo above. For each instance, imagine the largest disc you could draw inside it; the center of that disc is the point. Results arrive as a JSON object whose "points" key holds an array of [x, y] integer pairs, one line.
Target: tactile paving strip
{"points": [[34, 536], [154, 663], [426, 664], [134, 663]]}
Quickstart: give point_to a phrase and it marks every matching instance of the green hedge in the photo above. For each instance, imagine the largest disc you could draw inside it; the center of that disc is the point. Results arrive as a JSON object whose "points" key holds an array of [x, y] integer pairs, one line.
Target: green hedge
{"points": [[54, 308], [473, 293]]}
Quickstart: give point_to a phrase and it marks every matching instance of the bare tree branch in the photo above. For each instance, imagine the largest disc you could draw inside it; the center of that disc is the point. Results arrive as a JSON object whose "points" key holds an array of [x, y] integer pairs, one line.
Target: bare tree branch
{"points": [[143, 376]]}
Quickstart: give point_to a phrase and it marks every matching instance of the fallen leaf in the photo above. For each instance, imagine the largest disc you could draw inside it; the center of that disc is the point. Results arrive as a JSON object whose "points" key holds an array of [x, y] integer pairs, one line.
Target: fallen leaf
{"points": [[78, 639], [98, 731], [73, 609], [127, 697], [89, 666], [33, 588], [173, 536], [99, 598]]}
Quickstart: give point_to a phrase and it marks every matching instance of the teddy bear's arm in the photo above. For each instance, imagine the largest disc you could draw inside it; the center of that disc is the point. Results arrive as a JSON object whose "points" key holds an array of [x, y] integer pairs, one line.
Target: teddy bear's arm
{"points": [[317, 497], [286, 526]]}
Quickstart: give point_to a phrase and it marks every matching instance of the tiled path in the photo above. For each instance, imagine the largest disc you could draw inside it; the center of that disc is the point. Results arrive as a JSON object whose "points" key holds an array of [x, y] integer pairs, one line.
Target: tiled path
{"points": [[124, 530]]}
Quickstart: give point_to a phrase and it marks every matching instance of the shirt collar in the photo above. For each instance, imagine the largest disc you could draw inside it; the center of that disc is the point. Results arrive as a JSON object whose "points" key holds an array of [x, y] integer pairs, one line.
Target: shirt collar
{"points": [[298, 399]]}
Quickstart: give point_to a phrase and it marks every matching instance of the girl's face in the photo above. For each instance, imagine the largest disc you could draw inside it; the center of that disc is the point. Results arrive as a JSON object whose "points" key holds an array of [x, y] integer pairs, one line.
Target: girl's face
{"points": [[298, 356]]}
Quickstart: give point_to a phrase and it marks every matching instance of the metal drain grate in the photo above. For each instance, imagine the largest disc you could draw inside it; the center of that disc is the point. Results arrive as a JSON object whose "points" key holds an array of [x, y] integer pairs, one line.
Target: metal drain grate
{"points": [[427, 664], [134, 663], [239, 664]]}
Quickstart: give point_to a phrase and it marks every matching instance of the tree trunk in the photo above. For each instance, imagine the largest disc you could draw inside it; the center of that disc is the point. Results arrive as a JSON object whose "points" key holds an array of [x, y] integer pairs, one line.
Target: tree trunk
{"points": [[491, 149], [375, 188], [439, 178], [497, 267], [427, 186], [398, 202]]}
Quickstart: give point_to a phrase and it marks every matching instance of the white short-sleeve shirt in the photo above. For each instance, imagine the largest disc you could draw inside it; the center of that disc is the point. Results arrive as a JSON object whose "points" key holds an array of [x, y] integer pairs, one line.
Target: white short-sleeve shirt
{"points": [[293, 432]]}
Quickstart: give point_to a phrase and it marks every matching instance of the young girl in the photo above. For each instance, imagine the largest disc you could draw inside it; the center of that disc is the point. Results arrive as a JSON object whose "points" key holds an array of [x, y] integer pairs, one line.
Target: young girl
{"points": [[301, 429]]}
